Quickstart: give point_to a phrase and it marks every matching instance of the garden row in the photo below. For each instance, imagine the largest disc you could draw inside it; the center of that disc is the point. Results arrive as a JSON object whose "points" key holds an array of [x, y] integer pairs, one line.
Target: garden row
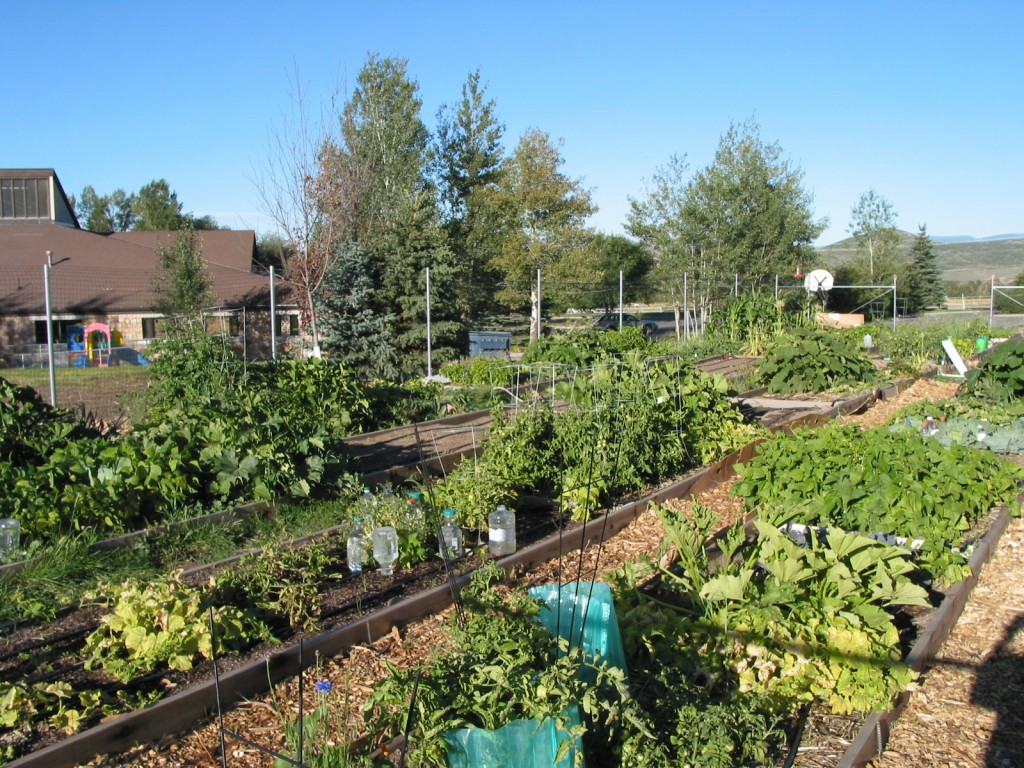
{"points": [[617, 402], [717, 657]]}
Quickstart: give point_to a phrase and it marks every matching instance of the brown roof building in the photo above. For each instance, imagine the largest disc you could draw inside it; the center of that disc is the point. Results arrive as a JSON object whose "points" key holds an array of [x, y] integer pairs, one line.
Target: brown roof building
{"points": [[106, 278]]}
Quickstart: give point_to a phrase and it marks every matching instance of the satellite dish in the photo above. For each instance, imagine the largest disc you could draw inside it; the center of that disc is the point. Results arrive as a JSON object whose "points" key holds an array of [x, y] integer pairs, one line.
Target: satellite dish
{"points": [[818, 280]]}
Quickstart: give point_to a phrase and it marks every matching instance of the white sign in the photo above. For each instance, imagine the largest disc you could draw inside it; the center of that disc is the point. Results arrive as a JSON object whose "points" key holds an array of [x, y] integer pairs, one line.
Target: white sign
{"points": [[954, 356]]}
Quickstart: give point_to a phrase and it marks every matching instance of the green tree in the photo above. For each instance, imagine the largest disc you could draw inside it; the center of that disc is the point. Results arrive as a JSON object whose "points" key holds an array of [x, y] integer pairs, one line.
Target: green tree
{"points": [[924, 279], [417, 243], [467, 157], [617, 254], [745, 214], [748, 212], [157, 208], [384, 145], [183, 283], [105, 213], [656, 220], [272, 250], [873, 226], [352, 330], [538, 215]]}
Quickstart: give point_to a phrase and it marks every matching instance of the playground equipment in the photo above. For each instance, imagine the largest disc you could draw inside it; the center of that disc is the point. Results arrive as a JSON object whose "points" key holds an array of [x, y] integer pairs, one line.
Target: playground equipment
{"points": [[98, 345]]}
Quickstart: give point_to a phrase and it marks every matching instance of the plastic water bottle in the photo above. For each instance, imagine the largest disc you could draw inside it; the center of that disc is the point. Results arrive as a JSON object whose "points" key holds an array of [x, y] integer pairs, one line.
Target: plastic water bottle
{"points": [[356, 545], [501, 531], [414, 512], [366, 506], [10, 537], [451, 536]]}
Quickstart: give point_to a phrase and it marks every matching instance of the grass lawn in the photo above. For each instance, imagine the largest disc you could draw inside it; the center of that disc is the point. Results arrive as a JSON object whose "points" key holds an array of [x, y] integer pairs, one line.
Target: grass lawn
{"points": [[106, 393]]}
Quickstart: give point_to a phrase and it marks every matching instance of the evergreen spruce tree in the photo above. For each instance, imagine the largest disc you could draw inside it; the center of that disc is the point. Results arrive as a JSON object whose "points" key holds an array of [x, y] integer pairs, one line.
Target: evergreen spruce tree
{"points": [[352, 330], [924, 280], [414, 245]]}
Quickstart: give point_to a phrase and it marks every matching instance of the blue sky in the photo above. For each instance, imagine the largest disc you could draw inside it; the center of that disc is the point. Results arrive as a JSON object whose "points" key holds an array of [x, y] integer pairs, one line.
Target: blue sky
{"points": [[920, 100]]}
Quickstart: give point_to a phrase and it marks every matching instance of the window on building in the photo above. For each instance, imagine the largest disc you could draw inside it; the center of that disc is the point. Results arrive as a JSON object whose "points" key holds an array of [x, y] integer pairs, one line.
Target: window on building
{"points": [[149, 327], [234, 326], [287, 325], [60, 330], [25, 199]]}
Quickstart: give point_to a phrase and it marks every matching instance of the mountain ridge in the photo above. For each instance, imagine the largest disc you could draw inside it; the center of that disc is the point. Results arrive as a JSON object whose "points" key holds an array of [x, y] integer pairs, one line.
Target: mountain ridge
{"points": [[959, 260]]}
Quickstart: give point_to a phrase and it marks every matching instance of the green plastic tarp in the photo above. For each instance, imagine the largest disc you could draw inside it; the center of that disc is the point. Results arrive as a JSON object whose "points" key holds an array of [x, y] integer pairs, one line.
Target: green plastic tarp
{"points": [[520, 744], [583, 613]]}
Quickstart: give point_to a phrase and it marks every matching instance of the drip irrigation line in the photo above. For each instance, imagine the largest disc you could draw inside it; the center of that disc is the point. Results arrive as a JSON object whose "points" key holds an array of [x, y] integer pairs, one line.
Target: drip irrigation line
{"points": [[47, 641], [794, 746]]}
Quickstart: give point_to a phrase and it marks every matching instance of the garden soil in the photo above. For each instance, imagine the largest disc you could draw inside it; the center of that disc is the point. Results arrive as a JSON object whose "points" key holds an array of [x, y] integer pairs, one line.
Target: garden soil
{"points": [[963, 713]]}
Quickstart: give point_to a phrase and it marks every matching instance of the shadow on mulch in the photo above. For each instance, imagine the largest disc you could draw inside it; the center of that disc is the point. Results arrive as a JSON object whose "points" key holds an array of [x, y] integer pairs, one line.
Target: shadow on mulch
{"points": [[1000, 687]]}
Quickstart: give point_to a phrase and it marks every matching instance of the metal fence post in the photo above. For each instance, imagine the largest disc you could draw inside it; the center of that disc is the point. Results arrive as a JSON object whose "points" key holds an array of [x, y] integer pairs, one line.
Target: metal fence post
{"points": [[49, 329], [273, 318]]}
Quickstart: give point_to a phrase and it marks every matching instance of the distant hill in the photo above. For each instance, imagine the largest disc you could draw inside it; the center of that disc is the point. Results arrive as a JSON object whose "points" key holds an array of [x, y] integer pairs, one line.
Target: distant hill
{"points": [[960, 258]]}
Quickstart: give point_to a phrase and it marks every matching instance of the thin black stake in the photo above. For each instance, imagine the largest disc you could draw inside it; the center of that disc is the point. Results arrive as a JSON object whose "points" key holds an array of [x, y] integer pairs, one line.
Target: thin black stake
{"points": [[604, 529], [216, 686], [409, 719], [302, 725], [460, 614]]}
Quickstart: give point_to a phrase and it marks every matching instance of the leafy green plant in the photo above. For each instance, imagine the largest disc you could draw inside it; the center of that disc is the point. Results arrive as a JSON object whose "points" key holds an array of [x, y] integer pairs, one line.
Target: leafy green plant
{"points": [[1000, 376], [880, 481], [793, 623], [502, 666], [480, 371], [168, 624], [278, 583], [813, 360]]}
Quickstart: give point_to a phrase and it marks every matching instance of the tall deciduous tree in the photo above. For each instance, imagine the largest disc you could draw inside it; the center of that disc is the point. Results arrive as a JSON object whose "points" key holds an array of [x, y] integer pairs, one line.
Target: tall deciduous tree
{"points": [[924, 279], [620, 255], [385, 142], [157, 208], [105, 213], [656, 220], [299, 197], [873, 226], [539, 214], [745, 214], [183, 283], [467, 157]]}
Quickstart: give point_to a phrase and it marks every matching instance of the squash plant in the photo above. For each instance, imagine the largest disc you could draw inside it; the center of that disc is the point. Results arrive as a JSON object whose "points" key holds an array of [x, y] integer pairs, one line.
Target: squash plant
{"points": [[813, 360], [880, 481], [787, 622], [1000, 376]]}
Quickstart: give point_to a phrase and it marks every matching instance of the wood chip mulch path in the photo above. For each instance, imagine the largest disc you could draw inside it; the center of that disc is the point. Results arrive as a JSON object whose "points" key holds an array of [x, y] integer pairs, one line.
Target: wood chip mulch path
{"points": [[964, 713]]}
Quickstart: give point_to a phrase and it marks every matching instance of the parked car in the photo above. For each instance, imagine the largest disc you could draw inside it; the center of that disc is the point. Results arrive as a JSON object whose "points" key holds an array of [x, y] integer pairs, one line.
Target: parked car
{"points": [[610, 322]]}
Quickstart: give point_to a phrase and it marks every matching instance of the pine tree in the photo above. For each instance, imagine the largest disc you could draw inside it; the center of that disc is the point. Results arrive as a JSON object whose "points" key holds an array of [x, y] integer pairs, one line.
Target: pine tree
{"points": [[353, 331], [415, 244], [467, 158], [924, 280]]}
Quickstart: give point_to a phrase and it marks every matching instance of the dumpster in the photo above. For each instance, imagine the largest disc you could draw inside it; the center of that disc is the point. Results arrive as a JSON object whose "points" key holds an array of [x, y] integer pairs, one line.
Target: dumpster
{"points": [[490, 343]]}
